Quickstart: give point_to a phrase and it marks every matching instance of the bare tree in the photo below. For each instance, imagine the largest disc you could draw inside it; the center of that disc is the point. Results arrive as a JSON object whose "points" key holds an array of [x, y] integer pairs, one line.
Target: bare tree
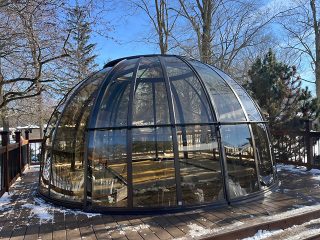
{"points": [[200, 15], [303, 34], [31, 42], [162, 18], [228, 32]]}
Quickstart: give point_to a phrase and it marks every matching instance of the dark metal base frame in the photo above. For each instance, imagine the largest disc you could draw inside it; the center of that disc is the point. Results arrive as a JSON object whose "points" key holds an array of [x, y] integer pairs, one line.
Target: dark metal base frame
{"points": [[135, 211]]}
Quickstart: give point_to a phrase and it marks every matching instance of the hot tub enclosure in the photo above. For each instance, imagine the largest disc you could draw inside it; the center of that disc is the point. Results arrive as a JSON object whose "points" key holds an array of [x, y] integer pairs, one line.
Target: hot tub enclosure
{"points": [[155, 132]]}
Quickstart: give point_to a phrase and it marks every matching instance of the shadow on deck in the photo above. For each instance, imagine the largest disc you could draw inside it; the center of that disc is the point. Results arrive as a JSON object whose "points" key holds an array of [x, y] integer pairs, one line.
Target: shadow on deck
{"points": [[23, 215]]}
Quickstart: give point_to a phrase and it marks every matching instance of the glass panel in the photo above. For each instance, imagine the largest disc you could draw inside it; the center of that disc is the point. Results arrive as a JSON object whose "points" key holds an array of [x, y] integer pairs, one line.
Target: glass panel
{"points": [[247, 102], [153, 168], [199, 157], [241, 167], [67, 168], [47, 148], [263, 154], [150, 104], [226, 104], [113, 109], [48, 134], [190, 101], [107, 155]]}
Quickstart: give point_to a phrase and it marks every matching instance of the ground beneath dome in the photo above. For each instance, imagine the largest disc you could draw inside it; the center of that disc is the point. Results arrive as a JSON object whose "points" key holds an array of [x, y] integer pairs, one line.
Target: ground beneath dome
{"points": [[290, 212]]}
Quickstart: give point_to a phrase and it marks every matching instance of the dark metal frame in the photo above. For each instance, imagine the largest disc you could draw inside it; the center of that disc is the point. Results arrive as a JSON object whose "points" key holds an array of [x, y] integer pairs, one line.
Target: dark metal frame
{"points": [[87, 203]]}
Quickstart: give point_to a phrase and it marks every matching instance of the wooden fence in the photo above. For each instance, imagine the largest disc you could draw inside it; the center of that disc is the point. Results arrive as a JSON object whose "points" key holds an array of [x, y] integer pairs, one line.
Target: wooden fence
{"points": [[297, 147], [15, 157]]}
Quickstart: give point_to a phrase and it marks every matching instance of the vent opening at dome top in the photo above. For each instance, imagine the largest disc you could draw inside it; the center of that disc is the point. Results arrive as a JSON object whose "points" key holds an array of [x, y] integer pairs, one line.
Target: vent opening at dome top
{"points": [[155, 132]]}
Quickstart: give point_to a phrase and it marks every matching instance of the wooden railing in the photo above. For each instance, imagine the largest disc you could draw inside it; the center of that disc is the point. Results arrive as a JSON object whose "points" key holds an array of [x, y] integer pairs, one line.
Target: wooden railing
{"points": [[297, 147], [15, 157]]}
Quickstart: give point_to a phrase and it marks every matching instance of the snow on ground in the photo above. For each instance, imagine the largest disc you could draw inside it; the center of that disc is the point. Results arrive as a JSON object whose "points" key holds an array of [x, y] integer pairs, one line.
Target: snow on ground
{"points": [[196, 231], [38, 208], [299, 170], [296, 232], [293, 212], [292, 169], [5, 202], [122, 228], [40, 212], [262, 234]]}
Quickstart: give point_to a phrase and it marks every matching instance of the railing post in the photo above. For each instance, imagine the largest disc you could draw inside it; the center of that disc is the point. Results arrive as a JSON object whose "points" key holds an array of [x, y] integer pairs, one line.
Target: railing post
{"points": [[18, 140], [310, 160], [26, 132], [4, 143]]}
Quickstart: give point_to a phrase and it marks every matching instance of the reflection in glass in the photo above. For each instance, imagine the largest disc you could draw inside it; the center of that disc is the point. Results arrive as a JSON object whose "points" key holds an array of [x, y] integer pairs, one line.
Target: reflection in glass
{"points": [[247, 102], [107, 155], [113, 109], [199, 157], [153, 168], [226, 104], [190, 101], [241, 167], [67, 154], [45, 164], [150, 104], [263, 154]]}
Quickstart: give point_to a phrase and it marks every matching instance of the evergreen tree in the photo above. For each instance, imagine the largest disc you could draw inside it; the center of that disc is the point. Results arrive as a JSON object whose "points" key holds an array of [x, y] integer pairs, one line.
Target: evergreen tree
{"points": [[82, 59], [277, 89]]}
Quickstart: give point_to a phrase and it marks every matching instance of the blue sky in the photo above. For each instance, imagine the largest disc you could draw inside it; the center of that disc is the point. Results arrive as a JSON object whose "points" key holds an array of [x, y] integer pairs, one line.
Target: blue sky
{"points": [[129, 30]]}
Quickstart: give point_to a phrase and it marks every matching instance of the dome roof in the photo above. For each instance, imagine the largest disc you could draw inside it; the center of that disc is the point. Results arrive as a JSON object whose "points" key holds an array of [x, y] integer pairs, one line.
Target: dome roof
{"points": [[155, 132]]}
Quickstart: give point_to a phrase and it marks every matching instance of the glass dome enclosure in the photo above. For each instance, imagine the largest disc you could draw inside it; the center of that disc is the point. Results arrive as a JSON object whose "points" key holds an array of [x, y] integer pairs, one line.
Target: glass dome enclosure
{"points": [[155, 132]]}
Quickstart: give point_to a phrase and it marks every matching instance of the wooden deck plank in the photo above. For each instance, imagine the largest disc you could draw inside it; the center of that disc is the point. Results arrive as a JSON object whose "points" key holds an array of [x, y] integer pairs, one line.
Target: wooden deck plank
{"points": [[20, 223], [145, 232], [32, 232], [45, 231]]}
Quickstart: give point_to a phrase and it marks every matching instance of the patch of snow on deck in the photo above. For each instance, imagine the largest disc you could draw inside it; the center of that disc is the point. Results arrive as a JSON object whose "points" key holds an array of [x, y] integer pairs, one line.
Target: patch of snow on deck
{"points": [[40, 211], [122, 228], [49, 207], [315, 171], [5, 201], [292, 168], [262, 234], [197, 231], [293, 212]]}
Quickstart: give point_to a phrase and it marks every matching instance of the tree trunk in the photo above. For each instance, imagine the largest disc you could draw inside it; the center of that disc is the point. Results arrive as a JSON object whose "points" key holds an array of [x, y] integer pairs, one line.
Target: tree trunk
{"points": [[316, 28], [40, 110], [206, 13], [3, 111]]}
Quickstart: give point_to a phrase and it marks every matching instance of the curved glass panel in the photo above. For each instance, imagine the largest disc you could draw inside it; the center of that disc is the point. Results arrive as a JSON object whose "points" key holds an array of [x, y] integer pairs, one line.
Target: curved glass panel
{"points": [[241, 168], [247, 103], [47, 148], [263, 154], [200, 170], [190, 102], [67, 167], [153, 168], [226, 104], [107, 158], [113, 109], [49, 133], [150, 104]]}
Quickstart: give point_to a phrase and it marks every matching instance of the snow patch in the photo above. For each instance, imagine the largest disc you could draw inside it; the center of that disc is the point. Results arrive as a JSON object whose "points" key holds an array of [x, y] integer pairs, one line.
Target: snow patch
{"points": [[121, 228], [40, 211], [262, 234], [314, 171], [5, 201], [48, 207], [197, 231], [292, 169], [293, 212]]}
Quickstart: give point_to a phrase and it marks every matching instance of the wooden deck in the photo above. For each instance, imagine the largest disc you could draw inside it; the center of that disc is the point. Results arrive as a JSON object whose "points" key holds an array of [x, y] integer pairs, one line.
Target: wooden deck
{"points": [[24, 215]]}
